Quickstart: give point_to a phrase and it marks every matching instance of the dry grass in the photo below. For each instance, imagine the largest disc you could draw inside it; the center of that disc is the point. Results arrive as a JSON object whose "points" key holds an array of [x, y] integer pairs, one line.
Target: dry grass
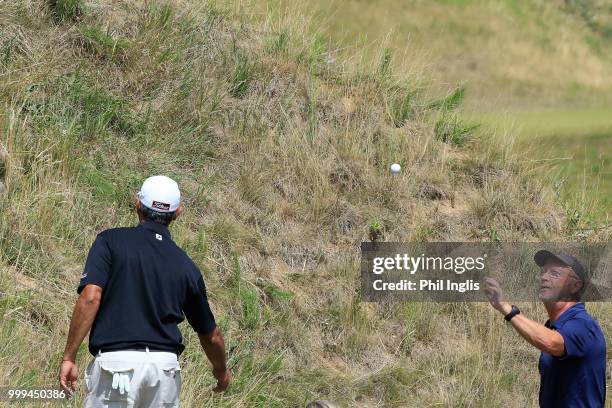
{"points": [[282, 156], [509, 55]]}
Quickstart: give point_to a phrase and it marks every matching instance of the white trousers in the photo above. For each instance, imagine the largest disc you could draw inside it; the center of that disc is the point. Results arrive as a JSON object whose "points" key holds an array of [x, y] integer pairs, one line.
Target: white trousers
{"points": [[133, 379]]}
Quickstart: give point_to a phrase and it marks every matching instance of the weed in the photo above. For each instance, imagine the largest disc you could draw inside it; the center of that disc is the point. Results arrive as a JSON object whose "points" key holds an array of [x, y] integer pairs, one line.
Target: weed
{"points": [[384, 69], [242, 75], [400, 107], [451, 130], [375, 229], [66, 10], [450, 102], [103, 44], [279, 44]]}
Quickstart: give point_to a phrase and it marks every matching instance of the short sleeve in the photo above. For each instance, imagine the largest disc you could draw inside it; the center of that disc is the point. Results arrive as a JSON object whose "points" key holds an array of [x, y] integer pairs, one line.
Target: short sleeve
{"points": [[98, 264], [578, 336], [196, 308]]}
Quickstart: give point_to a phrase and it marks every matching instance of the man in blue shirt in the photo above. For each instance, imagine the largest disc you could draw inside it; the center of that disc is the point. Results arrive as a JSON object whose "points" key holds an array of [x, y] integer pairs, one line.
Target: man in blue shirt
{"points": [[573, 360], [137, 286]]}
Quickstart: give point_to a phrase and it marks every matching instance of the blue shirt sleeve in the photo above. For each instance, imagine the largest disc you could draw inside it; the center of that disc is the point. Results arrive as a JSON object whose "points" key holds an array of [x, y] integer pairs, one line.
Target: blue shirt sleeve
{"points": [[196, 307], [98, 264], [578, 336]]}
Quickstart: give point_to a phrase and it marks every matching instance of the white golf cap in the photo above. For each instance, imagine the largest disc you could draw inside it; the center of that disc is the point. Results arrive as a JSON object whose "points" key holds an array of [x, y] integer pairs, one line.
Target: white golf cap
{"points": [[160, 193]]}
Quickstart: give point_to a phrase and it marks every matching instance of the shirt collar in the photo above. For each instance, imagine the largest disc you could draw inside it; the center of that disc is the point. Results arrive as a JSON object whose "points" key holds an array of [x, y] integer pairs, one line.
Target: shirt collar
{"points": [[565, 316], [156, 227]]}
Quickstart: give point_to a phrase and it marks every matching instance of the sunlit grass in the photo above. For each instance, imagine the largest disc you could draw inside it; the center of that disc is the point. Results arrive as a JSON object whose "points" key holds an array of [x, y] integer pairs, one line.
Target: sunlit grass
{"points": [[282, 151], [572, 147]]}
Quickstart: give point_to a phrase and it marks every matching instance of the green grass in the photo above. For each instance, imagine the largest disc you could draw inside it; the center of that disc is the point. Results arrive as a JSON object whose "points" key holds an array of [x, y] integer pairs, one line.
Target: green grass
{"points": [[66, 10], [584, 170], [572, 148], [104, 44], [450, 129], [242, 76], [562, 122]]}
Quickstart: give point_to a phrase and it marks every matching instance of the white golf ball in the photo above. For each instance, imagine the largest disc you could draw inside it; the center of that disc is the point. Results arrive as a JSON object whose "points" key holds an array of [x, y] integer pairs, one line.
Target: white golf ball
{"points": [[395, 168]]}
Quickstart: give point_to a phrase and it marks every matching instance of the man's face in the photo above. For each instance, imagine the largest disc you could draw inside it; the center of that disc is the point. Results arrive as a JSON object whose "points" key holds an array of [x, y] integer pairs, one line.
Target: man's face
{"points": [[558, 282]]}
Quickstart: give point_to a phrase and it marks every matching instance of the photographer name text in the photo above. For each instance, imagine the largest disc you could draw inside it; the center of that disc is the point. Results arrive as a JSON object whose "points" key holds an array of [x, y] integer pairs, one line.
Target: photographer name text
{"points": [[426, 285]]}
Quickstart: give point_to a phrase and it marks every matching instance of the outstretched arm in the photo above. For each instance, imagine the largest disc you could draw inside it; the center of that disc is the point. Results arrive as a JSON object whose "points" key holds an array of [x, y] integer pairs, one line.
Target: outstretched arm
{"points": [[538, 335], [214, 347], [83, 315]]}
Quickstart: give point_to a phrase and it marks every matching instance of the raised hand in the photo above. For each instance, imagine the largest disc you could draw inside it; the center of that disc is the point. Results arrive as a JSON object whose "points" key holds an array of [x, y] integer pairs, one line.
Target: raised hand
{"points": [[495, 295]]}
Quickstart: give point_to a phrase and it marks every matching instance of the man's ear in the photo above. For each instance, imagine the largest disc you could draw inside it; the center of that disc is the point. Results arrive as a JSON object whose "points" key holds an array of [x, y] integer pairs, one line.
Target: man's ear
{"points": [[139, 209], [577, 286], [177, 213]]}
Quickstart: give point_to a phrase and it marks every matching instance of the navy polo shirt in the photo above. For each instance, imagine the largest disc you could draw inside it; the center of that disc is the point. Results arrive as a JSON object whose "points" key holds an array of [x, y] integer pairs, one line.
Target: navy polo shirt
{"points": [[578, 378], [149, 286]]}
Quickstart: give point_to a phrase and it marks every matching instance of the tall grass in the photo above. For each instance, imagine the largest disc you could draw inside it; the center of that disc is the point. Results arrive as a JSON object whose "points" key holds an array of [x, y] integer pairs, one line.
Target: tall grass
{"points": [[282, 156]]}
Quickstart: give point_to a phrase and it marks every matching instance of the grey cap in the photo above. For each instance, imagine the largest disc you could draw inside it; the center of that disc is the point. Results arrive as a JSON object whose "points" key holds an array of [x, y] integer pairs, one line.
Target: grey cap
{"points": [[591, 290], [543, 255]]}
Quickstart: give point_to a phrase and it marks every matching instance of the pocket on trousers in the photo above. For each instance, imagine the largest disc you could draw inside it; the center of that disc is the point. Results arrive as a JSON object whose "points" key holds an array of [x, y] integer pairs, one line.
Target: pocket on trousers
{"points": [[170, 384], [116, 382], [88, 380]]}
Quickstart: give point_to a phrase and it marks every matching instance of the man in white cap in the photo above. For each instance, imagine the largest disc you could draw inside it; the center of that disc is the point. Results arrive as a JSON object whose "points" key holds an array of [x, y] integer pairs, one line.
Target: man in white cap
{"points": [[136, 287]]}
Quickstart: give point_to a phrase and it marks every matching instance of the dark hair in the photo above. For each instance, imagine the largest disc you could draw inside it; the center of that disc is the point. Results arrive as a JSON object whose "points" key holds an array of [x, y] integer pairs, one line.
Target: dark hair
{"points": [[164, 218]]}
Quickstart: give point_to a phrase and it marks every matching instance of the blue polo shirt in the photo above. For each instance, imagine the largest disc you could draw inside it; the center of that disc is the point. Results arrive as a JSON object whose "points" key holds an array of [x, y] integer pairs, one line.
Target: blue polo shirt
{"points": [[149, 286], [578, 378]]}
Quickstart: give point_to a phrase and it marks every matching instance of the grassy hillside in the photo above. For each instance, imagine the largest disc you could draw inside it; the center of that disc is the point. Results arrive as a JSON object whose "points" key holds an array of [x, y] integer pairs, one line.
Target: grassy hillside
{"points": [[534, 70], [282, 156], [509, 54]]}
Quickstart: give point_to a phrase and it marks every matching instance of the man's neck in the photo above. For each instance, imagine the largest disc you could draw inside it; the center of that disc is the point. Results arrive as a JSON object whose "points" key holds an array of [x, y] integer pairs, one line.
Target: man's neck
{"points": [[556, 309]]}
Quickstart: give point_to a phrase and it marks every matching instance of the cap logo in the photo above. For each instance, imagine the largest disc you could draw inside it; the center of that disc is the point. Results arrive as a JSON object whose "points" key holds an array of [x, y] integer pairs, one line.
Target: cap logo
{"points": [[160, 206], [158, 237]]}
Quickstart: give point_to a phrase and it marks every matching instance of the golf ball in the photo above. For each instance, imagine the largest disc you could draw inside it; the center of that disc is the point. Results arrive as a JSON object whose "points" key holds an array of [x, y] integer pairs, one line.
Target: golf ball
{"points": [[395, 168]]}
